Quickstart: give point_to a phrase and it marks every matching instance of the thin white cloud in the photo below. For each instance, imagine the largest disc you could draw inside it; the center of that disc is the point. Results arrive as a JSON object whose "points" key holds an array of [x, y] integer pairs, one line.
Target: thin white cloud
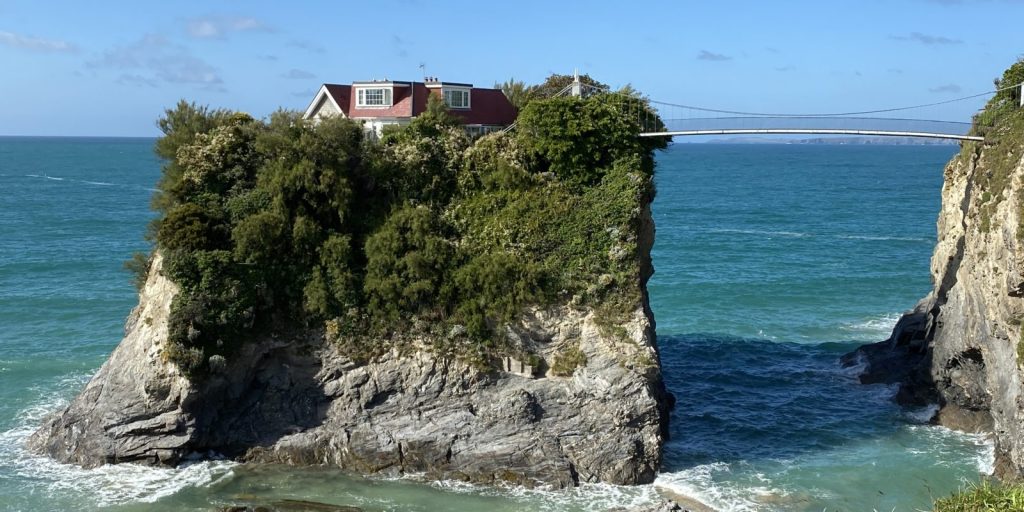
{"points": [[36, 43], [308, 46], [135, 79], [298, 74], [712, 56], [154, 59], [927, 39], [947, 88], [218, 27]]}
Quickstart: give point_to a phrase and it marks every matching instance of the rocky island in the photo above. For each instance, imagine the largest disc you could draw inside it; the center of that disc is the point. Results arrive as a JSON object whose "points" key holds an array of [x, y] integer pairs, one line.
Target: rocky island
{"points": [[423, 304], [961, 347]]}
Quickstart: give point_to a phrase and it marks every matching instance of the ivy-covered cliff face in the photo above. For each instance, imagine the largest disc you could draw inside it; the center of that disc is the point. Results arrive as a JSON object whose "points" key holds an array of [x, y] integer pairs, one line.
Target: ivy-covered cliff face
{"points": [[426, 304], [288, 223], [962, 346]]}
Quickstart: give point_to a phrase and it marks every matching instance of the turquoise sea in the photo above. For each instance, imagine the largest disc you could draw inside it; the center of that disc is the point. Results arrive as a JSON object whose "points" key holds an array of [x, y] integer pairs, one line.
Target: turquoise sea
{"points": [[771, 262]]}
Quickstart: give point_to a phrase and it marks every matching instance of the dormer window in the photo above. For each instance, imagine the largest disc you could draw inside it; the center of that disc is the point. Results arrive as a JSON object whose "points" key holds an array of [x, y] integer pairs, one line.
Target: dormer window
{"points": [[373, 97], [456, 98]]}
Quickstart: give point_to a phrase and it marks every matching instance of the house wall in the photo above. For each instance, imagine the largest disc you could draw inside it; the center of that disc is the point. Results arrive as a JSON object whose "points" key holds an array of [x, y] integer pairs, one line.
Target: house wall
{"points": [[375, 127]]}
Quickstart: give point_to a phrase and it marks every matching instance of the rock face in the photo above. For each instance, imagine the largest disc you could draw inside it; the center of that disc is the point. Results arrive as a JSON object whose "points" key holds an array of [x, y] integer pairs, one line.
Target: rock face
{"points": [[961, 345], [296, 399]]}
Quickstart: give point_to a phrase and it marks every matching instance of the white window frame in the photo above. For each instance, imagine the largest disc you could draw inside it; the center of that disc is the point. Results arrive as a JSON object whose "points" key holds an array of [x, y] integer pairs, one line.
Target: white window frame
{"points": [[464, 93], [386, 97]]}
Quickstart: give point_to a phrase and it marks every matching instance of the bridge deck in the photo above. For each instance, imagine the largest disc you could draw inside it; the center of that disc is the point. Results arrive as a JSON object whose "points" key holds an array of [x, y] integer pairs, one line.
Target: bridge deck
{"points": [[811, 131]]}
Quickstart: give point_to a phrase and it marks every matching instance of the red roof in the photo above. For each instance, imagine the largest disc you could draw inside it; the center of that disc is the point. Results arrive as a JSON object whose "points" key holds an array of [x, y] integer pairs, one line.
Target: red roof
{"points": [[487, 106], [340, 94]]}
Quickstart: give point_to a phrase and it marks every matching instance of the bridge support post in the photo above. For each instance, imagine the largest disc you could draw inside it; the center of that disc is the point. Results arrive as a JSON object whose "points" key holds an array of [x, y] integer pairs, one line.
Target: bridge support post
{"points": [[577, 86]]}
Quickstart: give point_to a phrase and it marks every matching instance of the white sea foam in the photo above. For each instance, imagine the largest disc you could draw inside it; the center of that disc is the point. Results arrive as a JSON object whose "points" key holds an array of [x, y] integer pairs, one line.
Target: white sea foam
{"points": [[876, 328], [860, 364], [595, 497], [797, 234], [923, 414], [985, 446], [986, 460], [107, 485], [885, 238], [95, 183], [699, 483], [788, 234]]}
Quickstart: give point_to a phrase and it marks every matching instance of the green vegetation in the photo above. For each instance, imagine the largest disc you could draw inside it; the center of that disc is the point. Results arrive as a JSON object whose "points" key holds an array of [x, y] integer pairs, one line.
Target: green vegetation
{"points": [[517, 92], [1002, 124], [984, 497], [138, 266], [283, 224], [567, 361], [520, 94]]}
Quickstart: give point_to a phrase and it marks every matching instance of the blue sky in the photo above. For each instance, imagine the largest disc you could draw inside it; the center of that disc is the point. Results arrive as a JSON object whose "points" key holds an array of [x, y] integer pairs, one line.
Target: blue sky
{"points": [[111, 67]]}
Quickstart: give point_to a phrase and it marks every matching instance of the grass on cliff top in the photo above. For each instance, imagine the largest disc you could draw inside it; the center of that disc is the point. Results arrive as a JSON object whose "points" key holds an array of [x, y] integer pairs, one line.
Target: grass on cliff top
{"points": [[1001, 122], [285, 223], [984, 497]]}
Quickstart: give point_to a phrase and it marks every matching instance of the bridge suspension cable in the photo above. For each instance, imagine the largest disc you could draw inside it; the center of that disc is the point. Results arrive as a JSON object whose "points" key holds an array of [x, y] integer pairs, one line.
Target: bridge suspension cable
{"points": [[654, 118]]}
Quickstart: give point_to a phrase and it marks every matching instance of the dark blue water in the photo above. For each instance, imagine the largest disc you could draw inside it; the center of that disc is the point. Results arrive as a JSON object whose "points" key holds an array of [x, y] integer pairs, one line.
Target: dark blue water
{"points": [[772, 261]]}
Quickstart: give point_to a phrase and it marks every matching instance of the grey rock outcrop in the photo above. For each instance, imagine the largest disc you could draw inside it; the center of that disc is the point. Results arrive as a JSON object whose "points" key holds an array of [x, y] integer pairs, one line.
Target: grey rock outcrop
{"points": [[294, 398], [961, 345]]}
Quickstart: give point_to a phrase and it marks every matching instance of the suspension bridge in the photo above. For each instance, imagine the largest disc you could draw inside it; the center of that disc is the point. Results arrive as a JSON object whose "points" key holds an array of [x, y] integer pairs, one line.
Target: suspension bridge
{"points": [[663, 119]]}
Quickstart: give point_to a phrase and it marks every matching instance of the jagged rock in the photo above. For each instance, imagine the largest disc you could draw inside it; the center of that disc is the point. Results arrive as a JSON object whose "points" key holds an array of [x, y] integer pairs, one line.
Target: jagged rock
{"points": [[295, 398], [961, 345]]}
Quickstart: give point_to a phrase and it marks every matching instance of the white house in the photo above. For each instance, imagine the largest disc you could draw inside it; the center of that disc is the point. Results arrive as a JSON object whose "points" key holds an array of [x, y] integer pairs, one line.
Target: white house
{"points": [[380, 103]]}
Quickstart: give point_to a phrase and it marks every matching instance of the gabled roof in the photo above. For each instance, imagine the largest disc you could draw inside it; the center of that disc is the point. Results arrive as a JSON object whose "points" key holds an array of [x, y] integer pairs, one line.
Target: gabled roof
{"points": [[335, 93]]}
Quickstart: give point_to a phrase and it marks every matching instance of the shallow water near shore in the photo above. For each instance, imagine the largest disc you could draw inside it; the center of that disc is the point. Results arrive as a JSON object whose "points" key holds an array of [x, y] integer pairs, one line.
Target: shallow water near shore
{"points": [[772, 261]]}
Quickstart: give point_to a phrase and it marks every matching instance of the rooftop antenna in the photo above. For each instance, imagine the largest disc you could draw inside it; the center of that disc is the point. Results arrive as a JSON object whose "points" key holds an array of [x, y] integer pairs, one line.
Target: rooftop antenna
{"points": [[423, 69]]}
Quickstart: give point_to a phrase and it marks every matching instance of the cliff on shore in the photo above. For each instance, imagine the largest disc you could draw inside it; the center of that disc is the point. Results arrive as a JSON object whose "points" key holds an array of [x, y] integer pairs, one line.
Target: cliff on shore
{"points": [[961, 346], [426, 304]]}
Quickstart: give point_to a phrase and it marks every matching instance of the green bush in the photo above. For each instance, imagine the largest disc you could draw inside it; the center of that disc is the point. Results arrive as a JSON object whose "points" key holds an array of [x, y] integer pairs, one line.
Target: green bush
{"points": [[493, 288], [578, 139], [407, 262], [284, 223], [138, 266]]}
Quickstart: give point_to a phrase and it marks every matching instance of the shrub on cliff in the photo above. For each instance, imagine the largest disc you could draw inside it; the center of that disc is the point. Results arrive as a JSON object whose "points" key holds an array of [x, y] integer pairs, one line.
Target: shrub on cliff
{"points": [[288, 223], [577, 139], [1001, 122]]}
